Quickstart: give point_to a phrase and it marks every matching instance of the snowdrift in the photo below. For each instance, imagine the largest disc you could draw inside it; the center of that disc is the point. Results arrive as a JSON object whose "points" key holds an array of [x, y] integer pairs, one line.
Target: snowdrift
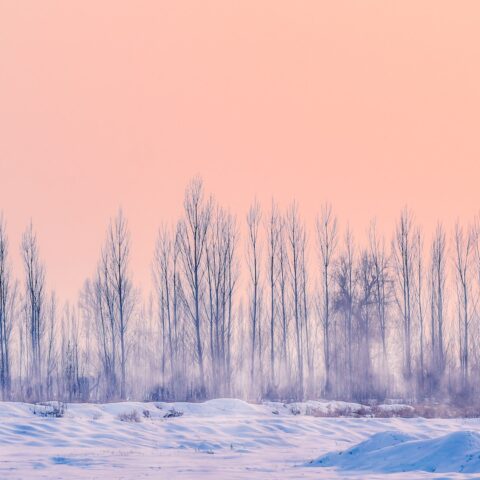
{"points": [[391, 452]]}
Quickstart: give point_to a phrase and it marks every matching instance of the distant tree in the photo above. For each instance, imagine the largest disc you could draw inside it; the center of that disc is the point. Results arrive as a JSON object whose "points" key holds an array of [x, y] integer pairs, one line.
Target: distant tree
{"points": [[254, 262], [366, 290], [403, 247], [220, 255], [419, 297], [382, 290], [327, 241], [110, 299], [284, 305], [163, 278], [118, 253], [273, 229], [344, 304], [51, 338], [437, 303], [463, 265], [192, 238], [296, 249], [34, 307], [8, 294]]}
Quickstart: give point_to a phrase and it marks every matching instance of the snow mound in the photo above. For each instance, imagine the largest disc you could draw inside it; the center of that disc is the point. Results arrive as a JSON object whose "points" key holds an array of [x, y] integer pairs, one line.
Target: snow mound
{"points": [[391, 452], [217, 406]]}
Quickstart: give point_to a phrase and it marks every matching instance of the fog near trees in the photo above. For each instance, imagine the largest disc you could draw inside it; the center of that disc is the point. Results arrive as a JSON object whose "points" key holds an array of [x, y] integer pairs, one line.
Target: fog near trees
{"points": [[255, 307]]}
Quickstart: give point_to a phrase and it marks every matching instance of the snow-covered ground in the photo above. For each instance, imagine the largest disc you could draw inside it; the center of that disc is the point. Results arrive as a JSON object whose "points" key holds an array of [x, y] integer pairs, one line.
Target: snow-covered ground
{"points": [[230, 439]]}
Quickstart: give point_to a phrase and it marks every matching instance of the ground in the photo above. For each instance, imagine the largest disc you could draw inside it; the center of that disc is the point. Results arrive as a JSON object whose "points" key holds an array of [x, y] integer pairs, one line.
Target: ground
{"points": [[230, 439]]}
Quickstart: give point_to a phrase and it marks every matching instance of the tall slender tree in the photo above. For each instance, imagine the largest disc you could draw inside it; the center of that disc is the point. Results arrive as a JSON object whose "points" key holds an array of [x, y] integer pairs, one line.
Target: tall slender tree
{"points": [[403, 247], [34, 310], [463, 263], [8, 290], [273, 228], [296, 244], [254, 262], [327, 241], [437, 305], [192, 238]]}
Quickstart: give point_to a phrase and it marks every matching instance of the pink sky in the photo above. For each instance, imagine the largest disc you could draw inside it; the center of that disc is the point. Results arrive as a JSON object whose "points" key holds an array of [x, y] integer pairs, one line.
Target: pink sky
{"points": [[367, 104]]}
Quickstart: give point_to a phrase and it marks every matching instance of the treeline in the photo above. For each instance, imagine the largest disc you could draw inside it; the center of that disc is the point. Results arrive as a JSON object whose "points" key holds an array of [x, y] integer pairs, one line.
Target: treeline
{"points": [[279, 313]]}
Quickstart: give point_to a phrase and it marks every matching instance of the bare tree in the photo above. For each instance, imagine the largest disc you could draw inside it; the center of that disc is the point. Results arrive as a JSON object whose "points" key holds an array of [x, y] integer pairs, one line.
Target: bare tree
{"points": [[273, 228], [419, 294], [345, 303], [296, 242], [34, 309], [403, 248], [437, 304], [463, 260], [110, 300], [50, 344], [327, 241], [382, 289], [284, 307], [220, 255], [99, 299], [118, 251], [366, 282], [254, 253], [163, 278], [192, 237], [305, 311], [8, 290], [70, 356]]}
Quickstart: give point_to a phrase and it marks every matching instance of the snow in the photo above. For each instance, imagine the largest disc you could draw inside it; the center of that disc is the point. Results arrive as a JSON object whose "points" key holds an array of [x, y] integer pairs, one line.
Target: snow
{"points": [[389, 452], [229, 438]]}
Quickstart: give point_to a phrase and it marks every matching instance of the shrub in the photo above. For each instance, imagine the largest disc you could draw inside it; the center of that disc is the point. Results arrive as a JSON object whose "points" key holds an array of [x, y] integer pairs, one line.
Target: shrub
{"points": [[338, 411], [172, 413], [132, 417], [402, 411], [54, 410], [294, 410]]}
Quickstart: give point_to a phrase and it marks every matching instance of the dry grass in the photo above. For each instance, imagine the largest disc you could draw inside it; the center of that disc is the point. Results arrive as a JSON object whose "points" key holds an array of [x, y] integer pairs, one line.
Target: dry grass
{"points": [[132, 417]]}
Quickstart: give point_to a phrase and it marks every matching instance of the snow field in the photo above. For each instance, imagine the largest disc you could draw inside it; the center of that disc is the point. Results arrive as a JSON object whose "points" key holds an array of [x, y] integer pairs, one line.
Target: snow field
{"points": [[231, 439]]}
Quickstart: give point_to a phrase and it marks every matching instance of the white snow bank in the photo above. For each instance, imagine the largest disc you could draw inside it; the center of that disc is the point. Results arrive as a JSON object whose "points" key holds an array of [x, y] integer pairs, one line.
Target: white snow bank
{"points": [[220, 406], [209, 408], [391, 452]]}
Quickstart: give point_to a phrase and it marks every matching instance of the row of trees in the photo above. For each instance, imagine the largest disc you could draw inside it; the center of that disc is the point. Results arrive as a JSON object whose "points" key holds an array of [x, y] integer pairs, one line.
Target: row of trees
{"points": [[278, 314]]}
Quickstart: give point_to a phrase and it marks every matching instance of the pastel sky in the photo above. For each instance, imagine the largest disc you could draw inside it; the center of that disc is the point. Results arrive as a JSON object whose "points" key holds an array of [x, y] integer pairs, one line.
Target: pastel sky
{"points": [[367, 104]]}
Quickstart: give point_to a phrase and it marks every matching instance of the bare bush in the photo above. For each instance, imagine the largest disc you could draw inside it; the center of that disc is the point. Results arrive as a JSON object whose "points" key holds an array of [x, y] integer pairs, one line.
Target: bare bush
{"points": [[54, 410], [172, 413], [294, 410], [132, 417]]}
